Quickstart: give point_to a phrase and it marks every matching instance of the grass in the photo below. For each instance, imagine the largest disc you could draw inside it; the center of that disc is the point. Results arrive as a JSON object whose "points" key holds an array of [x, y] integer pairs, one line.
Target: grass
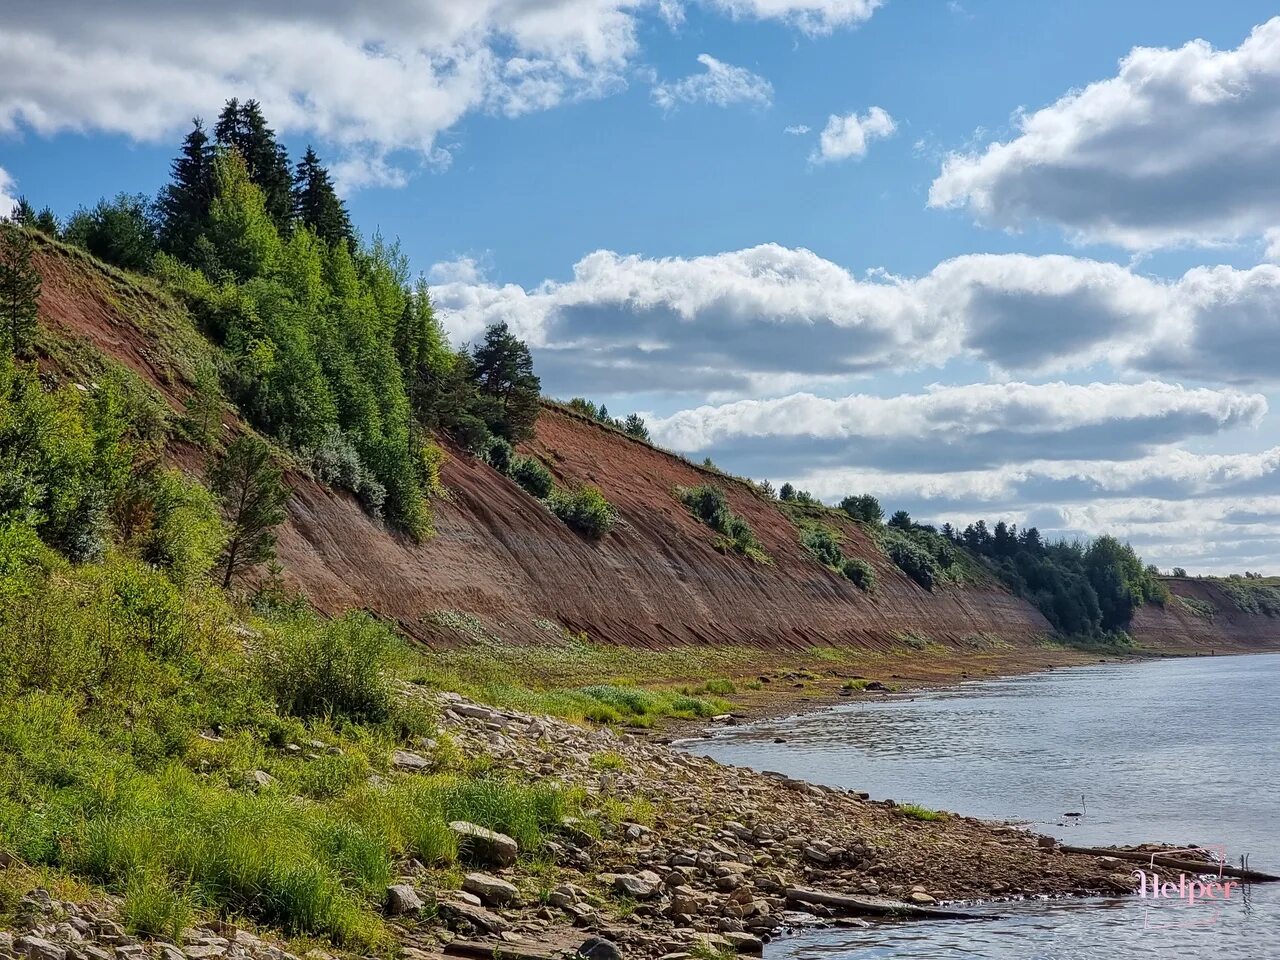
{"points": [[916, 812], [859, 684]]}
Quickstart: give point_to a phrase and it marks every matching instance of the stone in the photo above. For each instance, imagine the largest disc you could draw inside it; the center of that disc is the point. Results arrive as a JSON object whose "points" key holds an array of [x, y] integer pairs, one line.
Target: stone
{"points": [[492, 891], [483, 844], [402, 899], [920, 897], [632, 886], [259, 779], [409, 761], [746, 943], [38, 948], [598, 948], [477, 916]]}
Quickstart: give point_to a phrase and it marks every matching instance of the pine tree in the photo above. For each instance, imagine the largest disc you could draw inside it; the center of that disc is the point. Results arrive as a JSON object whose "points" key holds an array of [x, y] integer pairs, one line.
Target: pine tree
{"points": [[243, 127], [316, 203], [183, 205], [24, 215], [635, 426], [504, 371], [251, 490], [19, 289], [47, 222]]}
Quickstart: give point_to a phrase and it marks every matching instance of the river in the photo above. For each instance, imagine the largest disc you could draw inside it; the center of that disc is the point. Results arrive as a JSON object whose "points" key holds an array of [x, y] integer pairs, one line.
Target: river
{"points": [[1180, 751]]}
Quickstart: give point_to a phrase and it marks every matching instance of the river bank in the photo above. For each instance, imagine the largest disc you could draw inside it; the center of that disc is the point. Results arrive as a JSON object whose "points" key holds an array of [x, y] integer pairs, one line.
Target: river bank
{"points": [[693, 857]]}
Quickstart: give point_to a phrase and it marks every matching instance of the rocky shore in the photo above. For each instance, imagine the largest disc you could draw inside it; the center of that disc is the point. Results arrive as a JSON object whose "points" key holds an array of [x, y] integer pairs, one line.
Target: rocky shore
{"points": [[725, 860]]}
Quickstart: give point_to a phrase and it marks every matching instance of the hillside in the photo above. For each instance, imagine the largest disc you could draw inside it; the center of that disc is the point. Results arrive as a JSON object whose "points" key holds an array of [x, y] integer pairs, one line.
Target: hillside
{"points": [[1213, 613], [512, 570]]}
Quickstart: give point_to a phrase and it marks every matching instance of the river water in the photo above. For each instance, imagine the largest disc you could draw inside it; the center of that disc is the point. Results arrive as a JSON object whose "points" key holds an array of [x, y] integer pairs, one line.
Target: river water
{"points": [[1179, 751]]}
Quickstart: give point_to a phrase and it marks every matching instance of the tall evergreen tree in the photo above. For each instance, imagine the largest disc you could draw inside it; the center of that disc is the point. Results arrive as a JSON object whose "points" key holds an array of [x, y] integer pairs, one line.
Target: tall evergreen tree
{"points": [[19, 289], [183, 205], [316, 203], [242, 126], [504, 371], [252, 492], [24, 215]]}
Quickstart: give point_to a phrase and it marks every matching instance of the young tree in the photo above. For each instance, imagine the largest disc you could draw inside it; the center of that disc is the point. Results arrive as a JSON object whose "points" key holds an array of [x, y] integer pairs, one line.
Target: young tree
{"points": [[241, 240], [24, 215], [787, 493], [252, 494], [901, 520], [46, 222], [635, 426], [316, 203], [865, 507], [242, 126], [183, 205], [19, 289], [119, 231], [504, 372]]}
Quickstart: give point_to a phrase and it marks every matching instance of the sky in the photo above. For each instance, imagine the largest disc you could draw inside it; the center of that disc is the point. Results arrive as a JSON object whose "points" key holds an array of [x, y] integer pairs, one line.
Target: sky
{"points": [[980, 258]]}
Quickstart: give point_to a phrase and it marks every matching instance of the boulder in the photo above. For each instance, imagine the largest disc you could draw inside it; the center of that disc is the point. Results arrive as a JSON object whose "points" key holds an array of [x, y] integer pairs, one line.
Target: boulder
{"points": [[409, 761], [402, 899], [598, 948], [492, 891], [38, 948], [630, 885], [482, 844]]}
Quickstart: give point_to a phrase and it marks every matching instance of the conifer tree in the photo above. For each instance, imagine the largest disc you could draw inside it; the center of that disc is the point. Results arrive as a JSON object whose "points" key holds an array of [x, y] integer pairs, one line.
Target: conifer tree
{"points": [[316, 203], [240, 239], [183, 205], [504, 371], [19, 289], [252, 493], [242, 126]]}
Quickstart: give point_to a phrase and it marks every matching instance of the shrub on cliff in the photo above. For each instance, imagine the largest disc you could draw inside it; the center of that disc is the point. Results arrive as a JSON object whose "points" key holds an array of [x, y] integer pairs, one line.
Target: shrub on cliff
{"points": [[916, 562], [708, 504], [533, 477], [860, 572], [825, 548], [585, 510]]}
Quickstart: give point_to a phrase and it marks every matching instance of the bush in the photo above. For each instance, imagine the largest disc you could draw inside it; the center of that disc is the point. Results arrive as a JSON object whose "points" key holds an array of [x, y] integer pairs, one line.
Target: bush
{"points": [[499, 455], [916, 562], [820, 542], [860, 572], [185, 534], [532, 476], [585, 510], [709, 505], [341, 668], [865, 508]]}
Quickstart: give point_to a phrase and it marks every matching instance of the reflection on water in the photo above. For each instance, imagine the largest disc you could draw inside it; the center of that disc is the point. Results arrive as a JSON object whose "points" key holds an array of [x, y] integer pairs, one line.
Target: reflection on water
{"points": [[1183, 751]]}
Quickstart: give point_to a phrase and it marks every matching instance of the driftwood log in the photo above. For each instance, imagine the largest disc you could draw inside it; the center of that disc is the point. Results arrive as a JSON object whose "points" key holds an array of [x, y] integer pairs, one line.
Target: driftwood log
{"points": [[870, 907], [1174, 863]]}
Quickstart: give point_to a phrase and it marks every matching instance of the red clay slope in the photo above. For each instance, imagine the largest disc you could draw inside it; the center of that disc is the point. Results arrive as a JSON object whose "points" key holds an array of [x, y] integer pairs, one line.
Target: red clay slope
{"points": [[500, 556]]}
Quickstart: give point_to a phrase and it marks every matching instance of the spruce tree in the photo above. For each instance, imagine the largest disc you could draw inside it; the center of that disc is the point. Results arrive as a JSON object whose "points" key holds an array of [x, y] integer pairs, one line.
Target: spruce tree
{"points": [[242, 126], [504, 371], [24, 215], [252, 493], [183, 205], [19, 289], [316, 203]]}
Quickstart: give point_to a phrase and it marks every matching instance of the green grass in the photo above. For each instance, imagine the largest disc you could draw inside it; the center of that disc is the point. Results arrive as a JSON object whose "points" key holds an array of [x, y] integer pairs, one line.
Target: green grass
{"points": [[916, 812]]}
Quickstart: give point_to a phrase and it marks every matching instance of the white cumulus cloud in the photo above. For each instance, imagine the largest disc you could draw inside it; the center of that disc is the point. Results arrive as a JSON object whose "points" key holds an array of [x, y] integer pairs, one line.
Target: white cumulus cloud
{"points": [[811, 16], [8, 197], [849, 136], [720, 84], [1181, 147]]}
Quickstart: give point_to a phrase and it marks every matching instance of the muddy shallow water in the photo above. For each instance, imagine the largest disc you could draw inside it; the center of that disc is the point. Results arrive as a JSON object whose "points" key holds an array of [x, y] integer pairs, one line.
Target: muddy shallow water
{"points": [[1180, 751]]}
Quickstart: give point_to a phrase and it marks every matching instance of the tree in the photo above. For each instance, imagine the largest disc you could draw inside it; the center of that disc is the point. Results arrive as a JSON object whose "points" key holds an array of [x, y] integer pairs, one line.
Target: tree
{"points": [[243, 127], [1179, 571], [183, 205], [634, 426], [119, 231], [901, 520], [504, 372], [316, 203], [252, 494], [46, 221], [24, 215], [19, 289], [865, 508], [240, 240], [787, 493]]}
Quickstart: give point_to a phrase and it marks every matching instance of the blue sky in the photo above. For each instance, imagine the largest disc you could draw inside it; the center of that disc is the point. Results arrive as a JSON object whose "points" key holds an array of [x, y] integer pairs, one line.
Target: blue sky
{"points": [[645, 218]]}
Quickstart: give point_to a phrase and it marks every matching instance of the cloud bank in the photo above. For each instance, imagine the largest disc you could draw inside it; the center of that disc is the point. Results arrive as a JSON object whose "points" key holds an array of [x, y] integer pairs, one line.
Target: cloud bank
{"points": [[1181, 147]]}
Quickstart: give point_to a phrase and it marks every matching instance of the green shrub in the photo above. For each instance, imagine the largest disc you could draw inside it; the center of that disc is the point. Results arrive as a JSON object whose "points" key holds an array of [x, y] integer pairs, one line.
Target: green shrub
{"points": [[708, 504], [532, 476], [185, 534], [916, 562], [860, 572], [340, 668], [499, 455], [585, 510], [825, 548]]}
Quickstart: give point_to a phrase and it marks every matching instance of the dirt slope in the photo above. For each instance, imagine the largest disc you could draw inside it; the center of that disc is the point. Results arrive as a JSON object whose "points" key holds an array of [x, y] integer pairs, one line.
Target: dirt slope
{"points": [[1179, 626], [499, 556]]}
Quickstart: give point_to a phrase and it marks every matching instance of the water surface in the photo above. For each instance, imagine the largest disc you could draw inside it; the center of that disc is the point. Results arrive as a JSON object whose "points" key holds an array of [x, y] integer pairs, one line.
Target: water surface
{"points": [[1180, 751]]}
